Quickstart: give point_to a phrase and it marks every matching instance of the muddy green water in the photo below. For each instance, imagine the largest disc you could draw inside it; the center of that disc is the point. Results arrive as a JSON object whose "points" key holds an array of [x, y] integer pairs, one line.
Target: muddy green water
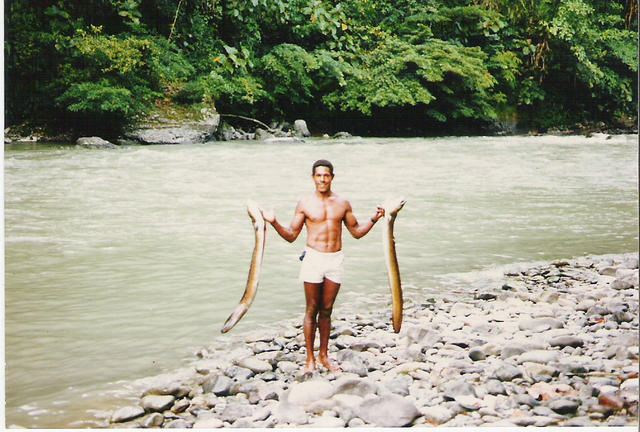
{"points": [[119, 264]]}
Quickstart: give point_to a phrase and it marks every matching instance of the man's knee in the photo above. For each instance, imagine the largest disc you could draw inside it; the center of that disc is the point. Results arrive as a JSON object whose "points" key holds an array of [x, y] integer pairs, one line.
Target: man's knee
{"points": [[325, 312]]}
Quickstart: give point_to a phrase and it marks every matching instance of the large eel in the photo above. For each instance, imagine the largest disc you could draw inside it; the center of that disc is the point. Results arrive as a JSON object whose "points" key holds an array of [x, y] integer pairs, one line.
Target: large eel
{"points": [[260, 228], [391, 209]]}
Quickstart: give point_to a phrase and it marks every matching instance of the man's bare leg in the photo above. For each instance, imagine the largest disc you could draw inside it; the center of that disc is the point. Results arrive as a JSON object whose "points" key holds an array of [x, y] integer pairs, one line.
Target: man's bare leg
{"points": [[329, 294], [313, 296]]}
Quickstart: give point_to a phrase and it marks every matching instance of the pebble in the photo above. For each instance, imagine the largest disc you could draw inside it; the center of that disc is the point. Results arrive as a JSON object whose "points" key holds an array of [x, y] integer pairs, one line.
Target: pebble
{"points": [[550, 345], [157, 402], [388, 411]]}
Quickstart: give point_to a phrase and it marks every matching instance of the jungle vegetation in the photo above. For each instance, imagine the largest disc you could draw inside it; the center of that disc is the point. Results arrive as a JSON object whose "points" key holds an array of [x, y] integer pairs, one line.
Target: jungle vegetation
{"points": [[383, 66]]}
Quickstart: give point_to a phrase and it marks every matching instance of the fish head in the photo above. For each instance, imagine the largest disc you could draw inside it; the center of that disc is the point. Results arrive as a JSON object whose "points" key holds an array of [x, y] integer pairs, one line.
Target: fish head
{"points": [[392, 206], [254, 212]]}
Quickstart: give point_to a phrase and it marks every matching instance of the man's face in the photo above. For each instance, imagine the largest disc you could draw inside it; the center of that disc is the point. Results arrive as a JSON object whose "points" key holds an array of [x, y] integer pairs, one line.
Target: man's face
{"points": [[322, 178]]}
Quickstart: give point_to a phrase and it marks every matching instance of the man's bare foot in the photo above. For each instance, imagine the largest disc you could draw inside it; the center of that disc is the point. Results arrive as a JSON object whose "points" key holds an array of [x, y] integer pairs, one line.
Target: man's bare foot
{"points": [[329, 364], [310, 367]]}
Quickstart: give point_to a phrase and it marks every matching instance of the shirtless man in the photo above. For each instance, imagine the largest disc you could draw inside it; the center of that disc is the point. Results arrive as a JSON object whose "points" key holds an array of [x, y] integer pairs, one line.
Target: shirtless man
{"points": [[322, 262]]}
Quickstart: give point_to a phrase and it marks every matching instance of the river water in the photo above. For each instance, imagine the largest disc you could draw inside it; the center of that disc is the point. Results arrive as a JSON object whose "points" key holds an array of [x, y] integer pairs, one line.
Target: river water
{"points": [[120, 264]]}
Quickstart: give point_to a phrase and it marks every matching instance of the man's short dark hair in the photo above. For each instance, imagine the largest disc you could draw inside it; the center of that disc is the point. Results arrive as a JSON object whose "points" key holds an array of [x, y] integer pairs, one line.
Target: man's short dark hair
{"points": [[322, 162]]}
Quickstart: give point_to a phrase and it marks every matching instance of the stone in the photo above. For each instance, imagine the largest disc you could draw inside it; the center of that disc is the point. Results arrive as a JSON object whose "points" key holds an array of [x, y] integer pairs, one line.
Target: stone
{"points": [[508, 372], [477, 354], [180, 406], [469, 403], [353, 385], [153, 420], [261, 134], [178, 424], [239, 373], [346, 405], [350, 361], [288, 367], [564, 405], [327, 422], [157, 402], [539, 324], [539, 356], [95, 142], [625, 280], [398, 384], [255, 365], [460, 387], [288, 413], [310, 391], [127, 413], [563, 341], [356, 422], [612, 401], [437, 415], [495, 387], [300, 128], [388, 411], [219, 385], [236, 410]]}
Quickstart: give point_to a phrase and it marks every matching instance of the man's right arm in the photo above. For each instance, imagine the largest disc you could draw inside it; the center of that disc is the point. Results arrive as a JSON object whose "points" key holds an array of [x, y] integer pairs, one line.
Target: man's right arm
{"points": [[291, 232]]}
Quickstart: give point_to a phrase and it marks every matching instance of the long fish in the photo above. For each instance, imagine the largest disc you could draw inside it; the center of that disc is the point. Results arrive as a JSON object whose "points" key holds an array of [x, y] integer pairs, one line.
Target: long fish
{"points": [[391, 209], [260, 228]]}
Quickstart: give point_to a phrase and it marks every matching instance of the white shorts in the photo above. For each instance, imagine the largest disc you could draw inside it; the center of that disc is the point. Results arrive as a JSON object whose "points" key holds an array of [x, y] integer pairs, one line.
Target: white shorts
{"points": [[316, 266]]}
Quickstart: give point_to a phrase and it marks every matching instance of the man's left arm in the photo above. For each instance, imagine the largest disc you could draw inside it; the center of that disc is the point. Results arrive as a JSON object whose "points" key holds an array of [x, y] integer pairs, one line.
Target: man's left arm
{"points": [[357, 229]]}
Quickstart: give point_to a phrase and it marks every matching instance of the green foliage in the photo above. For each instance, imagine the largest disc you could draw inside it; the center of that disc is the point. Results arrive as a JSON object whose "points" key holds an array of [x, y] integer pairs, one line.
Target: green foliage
{"points": [[552, 62]]}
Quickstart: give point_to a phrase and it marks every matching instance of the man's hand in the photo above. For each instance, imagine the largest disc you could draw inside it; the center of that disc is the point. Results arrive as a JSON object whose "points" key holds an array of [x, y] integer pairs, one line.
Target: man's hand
{"points": [[268, 215], [379, 213]]}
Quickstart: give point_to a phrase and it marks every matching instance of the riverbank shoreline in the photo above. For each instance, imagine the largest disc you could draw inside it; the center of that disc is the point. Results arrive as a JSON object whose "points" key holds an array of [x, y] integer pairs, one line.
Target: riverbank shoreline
{"points": [[208, 129], [556, 344]]}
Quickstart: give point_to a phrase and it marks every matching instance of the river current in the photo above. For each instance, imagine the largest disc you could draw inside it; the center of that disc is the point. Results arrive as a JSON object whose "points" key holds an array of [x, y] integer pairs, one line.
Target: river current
{"points": [[120, 264]]}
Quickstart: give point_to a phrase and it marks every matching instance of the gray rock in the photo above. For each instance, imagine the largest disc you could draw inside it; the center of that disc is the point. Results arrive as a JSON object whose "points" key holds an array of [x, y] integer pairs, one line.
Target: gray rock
{"points": [[178, 424], [95, 142], [525, 399], [288, 413], [563, 341], [185, 134], [239, 373], [388, 411], [327, 422], [495, 387], [288, 367], [437, 414], [180, 405], [469, 403], [539, 356], [539, 324], [157, 402], [398, 384], [356, 386], [300, 128], [235, 411], [153, 420], [564, 405], [508, 372], [356, 422], [255, 365], [219, 385], [351, 362], [310, 391], [127, 413], [460, 387], [626, 280], [477, 354], [262, 134], [582, 421]]}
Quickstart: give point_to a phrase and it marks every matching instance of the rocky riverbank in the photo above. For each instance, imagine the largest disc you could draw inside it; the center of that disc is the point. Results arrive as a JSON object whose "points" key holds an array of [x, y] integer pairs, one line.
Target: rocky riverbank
{"points": [[555, 345]]}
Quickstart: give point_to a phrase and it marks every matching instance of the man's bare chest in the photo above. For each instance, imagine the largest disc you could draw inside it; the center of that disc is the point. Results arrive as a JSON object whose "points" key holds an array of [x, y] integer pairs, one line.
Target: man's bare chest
{"points": [[325, 213]]}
